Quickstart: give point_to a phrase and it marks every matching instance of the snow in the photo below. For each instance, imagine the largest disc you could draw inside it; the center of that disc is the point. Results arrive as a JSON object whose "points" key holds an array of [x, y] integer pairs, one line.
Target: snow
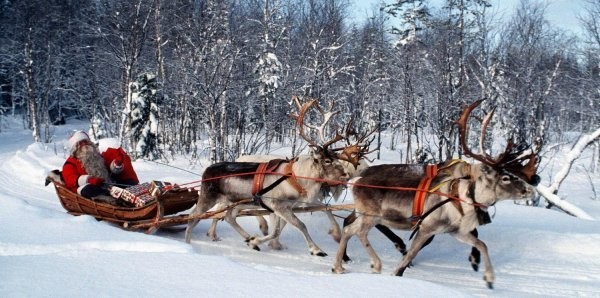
{"points": [[45, 252]]}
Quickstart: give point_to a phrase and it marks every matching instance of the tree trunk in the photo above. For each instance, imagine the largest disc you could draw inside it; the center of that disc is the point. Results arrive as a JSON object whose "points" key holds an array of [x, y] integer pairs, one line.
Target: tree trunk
{"points": [[32, 105]]}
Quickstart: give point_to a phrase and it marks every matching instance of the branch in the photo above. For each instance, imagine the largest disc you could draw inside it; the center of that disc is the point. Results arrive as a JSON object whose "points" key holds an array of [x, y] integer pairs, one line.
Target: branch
{"points": [[562, 204], [573, 155], [549, 193]]}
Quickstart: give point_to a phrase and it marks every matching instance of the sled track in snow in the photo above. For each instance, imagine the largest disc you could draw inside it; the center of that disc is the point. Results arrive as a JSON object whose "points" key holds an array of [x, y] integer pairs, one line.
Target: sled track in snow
{"points": [[448, 267]]}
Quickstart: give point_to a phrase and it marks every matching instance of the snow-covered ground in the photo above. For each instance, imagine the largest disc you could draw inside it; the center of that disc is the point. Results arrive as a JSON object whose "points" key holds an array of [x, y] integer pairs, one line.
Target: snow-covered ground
{"points": [[45, 252]]}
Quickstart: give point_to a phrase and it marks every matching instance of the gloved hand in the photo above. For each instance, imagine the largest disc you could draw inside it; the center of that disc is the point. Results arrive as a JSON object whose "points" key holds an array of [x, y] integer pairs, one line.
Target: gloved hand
{"points": [[116, 166], [93, 180], [118, 162]]}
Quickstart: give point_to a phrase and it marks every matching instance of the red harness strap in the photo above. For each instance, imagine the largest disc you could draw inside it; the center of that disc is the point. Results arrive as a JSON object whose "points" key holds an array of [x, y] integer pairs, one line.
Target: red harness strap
{"points": [[262, 170], [422, 192], [259, 177], [293, 181]]}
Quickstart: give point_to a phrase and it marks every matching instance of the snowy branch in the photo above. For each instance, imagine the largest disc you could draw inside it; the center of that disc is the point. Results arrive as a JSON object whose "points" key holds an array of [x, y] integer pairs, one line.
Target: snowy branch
{"points": [[550, 193], [562, 204], [574, 154]]}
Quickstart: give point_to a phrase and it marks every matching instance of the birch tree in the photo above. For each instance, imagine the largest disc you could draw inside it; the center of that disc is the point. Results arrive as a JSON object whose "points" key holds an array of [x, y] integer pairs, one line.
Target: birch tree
{"points": [[123, 28]]}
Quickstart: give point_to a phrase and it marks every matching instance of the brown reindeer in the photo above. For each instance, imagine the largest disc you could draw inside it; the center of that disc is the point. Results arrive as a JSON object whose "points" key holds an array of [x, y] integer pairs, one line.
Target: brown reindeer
{"points": [[225, 183], [464, 190], [352, 157]]}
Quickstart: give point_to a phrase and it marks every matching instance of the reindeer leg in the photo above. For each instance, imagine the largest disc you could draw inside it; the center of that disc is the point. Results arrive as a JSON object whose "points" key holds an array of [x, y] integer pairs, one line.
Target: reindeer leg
{"points": [[475, 256], [365, 226], [212, 231], [334, 229], [348, 221], [412, 252], [273, 236], [398, 243], [350, 229], [263, 225], [230, 217], [279, 224], [285, 212], [470, 239], [200, 208]]}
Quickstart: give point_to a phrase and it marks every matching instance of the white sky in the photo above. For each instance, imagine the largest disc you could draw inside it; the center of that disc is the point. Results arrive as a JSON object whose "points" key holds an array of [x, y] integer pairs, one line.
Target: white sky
{"points": [[562, 13]]}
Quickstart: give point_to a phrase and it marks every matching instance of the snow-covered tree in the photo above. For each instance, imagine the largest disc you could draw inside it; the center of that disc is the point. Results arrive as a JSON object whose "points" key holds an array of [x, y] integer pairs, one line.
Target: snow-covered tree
{"points": [[144, 116], [413, 16], [98, 128]]}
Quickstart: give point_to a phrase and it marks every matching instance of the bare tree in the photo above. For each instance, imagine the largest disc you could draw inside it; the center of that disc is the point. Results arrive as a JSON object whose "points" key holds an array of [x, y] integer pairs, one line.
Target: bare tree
{"points": [[123, 28]]}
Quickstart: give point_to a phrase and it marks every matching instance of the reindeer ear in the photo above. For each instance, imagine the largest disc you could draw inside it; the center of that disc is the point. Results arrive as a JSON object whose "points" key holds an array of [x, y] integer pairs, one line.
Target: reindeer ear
{"points": [[487, 170], [316, 153]]}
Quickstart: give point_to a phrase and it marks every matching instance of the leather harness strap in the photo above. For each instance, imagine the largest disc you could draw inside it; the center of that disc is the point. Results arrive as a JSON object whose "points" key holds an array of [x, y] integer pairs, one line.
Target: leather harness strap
{"points": [[454, 192], [263, 169], [259, 178], [422, 192], [293, 181]]}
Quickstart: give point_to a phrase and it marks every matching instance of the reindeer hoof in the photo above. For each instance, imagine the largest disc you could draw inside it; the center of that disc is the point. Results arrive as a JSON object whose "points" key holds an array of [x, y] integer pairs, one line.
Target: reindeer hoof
{"points": [[401, 249], [490, 285], [337, 270], [474, 263], [250, 244], [400, 271], [275, 245], [346, 259], [319, 254], [376, 269]]}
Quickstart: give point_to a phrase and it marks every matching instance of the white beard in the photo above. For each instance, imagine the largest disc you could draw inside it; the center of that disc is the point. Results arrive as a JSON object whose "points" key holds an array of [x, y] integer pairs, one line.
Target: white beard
{"points": [[92, 161]]}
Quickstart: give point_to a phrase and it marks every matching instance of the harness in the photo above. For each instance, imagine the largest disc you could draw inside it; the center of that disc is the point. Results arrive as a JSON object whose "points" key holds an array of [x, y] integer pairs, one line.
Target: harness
{"points": [[423, 190], [483, 217], [261, 171], [267, 168]]}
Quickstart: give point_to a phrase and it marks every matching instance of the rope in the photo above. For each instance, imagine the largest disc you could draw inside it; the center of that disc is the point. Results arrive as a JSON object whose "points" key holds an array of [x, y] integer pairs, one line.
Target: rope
{"points": [[333, 183]]}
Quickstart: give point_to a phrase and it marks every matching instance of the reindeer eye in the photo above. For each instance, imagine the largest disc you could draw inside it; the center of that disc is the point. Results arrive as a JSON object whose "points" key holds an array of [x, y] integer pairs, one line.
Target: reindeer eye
{"points": [[506, 179]]}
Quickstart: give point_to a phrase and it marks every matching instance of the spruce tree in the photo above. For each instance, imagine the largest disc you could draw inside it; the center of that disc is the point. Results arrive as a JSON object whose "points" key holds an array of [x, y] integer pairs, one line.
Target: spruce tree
{"points": [[144, 116]]}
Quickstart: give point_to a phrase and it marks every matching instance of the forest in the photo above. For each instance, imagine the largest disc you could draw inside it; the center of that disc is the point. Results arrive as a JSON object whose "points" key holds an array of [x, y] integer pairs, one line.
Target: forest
{"points": [[215, 79]]}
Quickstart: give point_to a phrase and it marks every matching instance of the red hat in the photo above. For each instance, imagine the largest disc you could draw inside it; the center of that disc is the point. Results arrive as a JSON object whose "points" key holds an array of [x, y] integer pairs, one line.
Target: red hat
{"points": [[77, 137]]}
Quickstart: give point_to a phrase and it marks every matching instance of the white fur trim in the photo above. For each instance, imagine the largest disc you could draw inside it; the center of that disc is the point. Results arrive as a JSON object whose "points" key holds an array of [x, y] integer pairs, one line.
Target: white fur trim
{"points": [[116, 169], [82, 180], [80, 188], [77, 137]]}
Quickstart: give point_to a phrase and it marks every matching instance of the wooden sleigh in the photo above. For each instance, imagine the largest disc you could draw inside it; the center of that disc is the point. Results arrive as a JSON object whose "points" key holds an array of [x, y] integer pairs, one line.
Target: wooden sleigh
{"points": [[162, 212], [148, 217]]}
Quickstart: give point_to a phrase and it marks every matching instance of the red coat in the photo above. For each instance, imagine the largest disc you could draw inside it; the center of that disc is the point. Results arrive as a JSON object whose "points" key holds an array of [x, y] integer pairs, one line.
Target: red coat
{"points": [[71, 171], [128, 175]]}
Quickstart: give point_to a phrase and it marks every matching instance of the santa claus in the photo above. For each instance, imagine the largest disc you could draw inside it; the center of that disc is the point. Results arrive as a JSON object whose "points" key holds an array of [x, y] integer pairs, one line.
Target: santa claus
{"points": [[88, 172]]}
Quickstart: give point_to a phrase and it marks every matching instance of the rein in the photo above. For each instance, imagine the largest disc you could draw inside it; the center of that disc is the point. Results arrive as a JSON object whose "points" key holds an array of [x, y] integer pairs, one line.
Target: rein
{"points": [[287, 175]]}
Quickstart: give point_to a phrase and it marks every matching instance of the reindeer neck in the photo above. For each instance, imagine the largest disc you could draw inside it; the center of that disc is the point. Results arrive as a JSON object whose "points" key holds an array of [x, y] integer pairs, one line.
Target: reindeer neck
{"points": [[306, 175]]}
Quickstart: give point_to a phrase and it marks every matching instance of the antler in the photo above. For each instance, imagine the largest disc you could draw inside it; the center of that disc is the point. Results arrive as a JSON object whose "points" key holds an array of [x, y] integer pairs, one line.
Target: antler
{"points": [[353, 153], [507, 160], [327, 116], [463, 132]]}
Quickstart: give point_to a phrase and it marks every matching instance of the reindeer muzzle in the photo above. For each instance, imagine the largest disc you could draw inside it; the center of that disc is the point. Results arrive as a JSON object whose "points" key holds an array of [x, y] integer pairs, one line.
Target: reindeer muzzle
{"points": [[535, 180]]}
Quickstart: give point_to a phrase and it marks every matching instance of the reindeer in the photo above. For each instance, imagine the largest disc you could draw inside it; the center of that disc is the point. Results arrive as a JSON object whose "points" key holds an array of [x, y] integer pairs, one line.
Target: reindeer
{"points": [[471, 188], [352, 157], [305, 176]]}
